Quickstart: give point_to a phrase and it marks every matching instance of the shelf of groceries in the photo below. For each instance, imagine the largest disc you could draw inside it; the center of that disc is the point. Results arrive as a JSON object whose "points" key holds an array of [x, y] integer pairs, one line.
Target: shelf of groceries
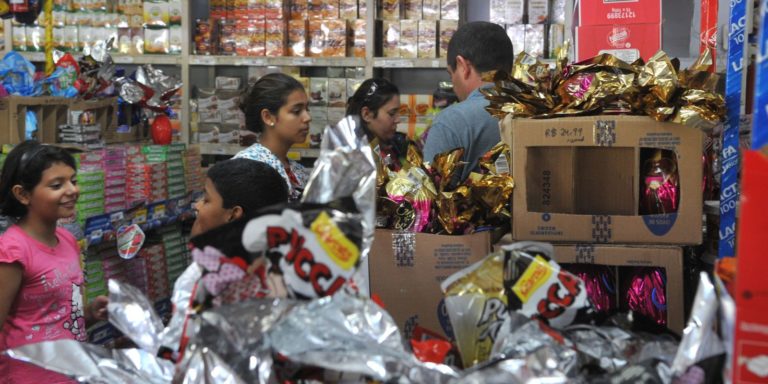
{"points": [[233, 149]]}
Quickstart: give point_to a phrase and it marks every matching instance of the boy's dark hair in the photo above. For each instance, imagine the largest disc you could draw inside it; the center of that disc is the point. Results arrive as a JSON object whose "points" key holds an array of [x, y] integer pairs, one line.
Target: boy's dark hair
{"points": [[249, 184], [270, 92], [485, 45], [24, 166], [372, 93]]}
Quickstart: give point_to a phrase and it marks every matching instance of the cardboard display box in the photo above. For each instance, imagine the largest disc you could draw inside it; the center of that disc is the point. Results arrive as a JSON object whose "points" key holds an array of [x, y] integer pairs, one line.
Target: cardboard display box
{"points": [[579, 180], [670, 258], [628, 42], [51, 112], [619, 12], [406, 270]]}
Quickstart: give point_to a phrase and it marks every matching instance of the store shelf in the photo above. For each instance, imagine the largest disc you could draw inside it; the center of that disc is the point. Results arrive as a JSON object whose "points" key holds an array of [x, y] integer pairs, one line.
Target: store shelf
{"points": [[382, 62], [238, 61], [233, 149], [39, 57]]}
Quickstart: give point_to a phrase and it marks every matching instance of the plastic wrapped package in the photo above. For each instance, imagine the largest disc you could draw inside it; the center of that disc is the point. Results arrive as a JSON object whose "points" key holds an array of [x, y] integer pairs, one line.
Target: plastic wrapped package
{"points": [[449, 9], [336, 44], [71, 37], [157, 40], [19, 37], [556, 38], [85, 38], [516, 35], [391, 41], [348, 9], [297, 38], [315, 9], [538, 11], [534, 39], [390, 9], [175, 40], [274, 38], [430, 9], [412, 9], [156, 13], [427, 39], [447, 29], [558, 11], [362, 9], [298, 9], [358, 37], [507, 11], [227, 37], [330, 9], [273, 9], [409, 38], [35, 38], [174, 12], [204, 37], [137, 39]]}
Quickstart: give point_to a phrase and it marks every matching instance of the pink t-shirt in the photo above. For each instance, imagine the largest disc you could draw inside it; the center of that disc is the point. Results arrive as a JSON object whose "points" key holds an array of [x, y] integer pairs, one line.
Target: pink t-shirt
{"points": [[49, 304]]}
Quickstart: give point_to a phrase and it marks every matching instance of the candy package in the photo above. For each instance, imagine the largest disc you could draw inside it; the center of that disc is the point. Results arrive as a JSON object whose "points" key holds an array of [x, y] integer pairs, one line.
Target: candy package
{"points": [[537, 287], [477, 306]]}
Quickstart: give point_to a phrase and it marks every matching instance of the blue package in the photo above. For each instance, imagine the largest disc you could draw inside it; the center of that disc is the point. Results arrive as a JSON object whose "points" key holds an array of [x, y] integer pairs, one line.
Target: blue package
{"points": [[61, 82], [729, 188], [760, 119], [19, 78], [30, 125]]}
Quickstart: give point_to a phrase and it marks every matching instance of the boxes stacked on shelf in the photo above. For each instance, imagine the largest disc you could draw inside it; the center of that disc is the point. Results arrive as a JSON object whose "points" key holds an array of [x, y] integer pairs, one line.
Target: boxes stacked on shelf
{"points": [[193, 169], [147, 182], [534, 26], [138, 27], [218, 117], [115, 174], [261, 28], [177, 178], [328, 99], [132, 271], [603, 196], [628, 30], [417, 28], [90, 180], [175, 252], [93, 272], [81, 129], [153, 259]]}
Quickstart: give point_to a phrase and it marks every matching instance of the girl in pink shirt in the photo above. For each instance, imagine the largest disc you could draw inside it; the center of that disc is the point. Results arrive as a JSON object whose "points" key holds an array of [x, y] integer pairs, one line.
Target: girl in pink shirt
{"points": [[40, 275]]}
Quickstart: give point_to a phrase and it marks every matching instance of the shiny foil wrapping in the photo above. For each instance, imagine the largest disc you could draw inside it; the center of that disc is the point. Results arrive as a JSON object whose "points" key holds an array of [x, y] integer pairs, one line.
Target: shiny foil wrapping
{"points": [[599, 281], [606, 85], [646, 293], [133, 314], [477, 306], [95, 364]]}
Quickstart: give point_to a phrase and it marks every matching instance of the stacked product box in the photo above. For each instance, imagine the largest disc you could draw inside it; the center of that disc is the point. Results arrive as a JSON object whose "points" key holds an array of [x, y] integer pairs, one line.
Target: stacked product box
{"points": [[627, 30], [534, 26], [113, 164], [219, 118], [93, 273], [175, 252], [147, 182], [411, 29], [171, 156], [193, 169], [90, 180], [153, 259], [132, 271]]}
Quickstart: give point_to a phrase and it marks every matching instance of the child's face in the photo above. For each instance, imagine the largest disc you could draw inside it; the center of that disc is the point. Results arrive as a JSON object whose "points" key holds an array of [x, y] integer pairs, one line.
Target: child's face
{"points": [[210, 210], [292, 123], [55, 196]]}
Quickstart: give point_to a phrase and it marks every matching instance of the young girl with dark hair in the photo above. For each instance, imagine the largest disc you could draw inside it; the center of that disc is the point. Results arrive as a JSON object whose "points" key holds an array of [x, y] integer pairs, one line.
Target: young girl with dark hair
{"points": [[40, 276], [277, 109], [377, 102]]}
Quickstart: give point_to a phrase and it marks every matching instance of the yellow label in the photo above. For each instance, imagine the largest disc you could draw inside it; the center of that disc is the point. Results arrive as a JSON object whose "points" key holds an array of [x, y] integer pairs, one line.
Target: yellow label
{"points": [[534, 277], [342, 251]]}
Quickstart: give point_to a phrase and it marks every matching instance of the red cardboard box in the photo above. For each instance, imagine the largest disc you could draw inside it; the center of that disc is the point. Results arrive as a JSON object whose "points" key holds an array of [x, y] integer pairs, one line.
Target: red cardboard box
{"points": [[751, 341], [619, 12], [627, 42]]}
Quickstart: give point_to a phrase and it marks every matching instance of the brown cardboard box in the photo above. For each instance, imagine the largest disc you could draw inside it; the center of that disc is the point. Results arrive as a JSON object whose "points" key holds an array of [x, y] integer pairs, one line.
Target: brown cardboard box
{"points": [[406, 270], [667, 257], [579, 180], [51, 112]]}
